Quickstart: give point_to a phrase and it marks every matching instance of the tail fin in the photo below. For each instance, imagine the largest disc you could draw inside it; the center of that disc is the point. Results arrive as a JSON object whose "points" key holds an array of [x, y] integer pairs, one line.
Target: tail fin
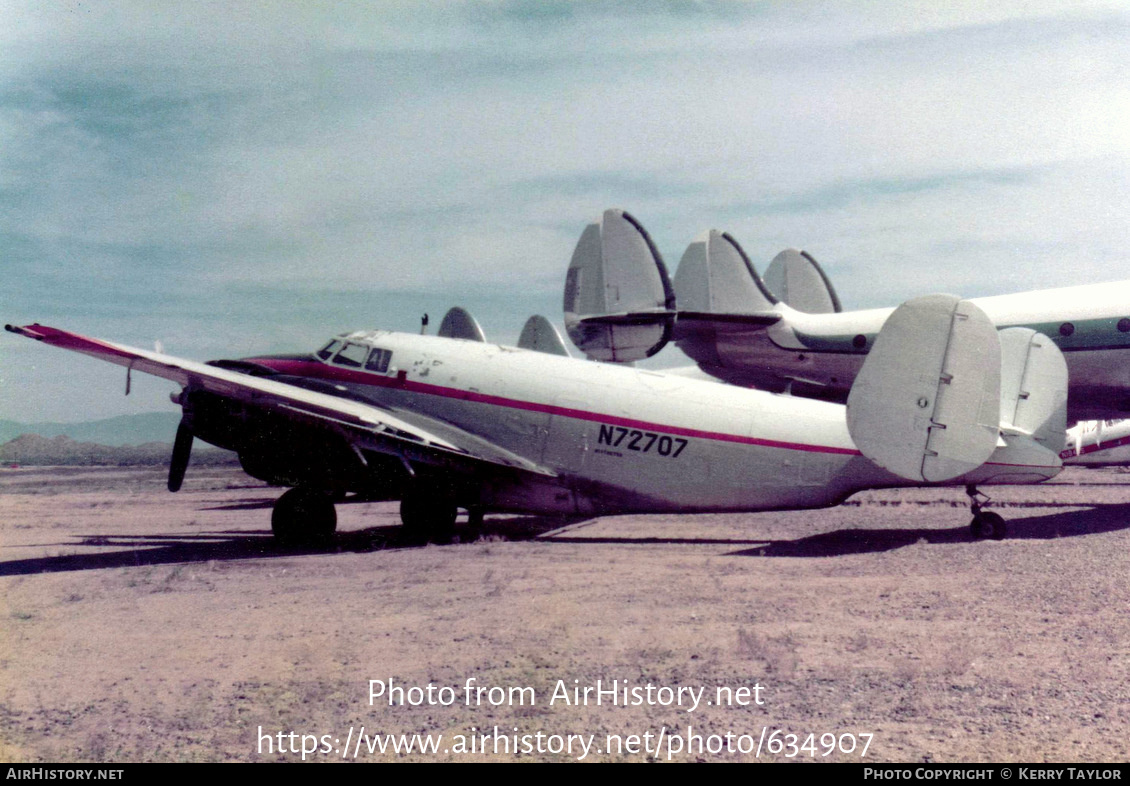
{"points": [[1033, 387], [942, 391], [1033, 409], [458, 323], [798, 280], [926, 403], [619, 304], [540, 335], [715, 276]]}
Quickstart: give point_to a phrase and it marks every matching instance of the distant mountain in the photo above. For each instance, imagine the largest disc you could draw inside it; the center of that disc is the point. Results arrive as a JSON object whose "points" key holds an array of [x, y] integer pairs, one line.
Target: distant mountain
{"points": [[32, 449], [122, 430], [124, 440]]}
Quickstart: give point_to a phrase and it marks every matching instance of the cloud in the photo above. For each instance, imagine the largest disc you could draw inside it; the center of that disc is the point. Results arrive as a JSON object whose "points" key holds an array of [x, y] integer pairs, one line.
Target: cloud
{"points": [[172, 170]]}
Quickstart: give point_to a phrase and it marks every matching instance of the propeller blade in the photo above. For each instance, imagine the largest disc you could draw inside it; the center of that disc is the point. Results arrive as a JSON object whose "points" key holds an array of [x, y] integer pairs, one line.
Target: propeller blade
{"points": [[182, 449]]}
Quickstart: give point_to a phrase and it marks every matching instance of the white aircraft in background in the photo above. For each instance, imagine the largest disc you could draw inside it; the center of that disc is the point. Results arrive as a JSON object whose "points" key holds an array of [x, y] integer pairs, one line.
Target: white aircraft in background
{"points": [[450, 421], [620, 305], [1098, 443]]}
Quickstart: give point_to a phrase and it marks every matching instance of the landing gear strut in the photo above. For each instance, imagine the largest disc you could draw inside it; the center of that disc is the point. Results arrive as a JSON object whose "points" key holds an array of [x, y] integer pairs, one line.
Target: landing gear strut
{"points": [[304, 515], [428, 516], [474, 527], [986, 524]]}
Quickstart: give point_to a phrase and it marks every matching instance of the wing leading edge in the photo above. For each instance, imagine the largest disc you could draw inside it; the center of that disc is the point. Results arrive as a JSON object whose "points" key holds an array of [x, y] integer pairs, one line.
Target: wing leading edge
{"points": [[405, 434]]}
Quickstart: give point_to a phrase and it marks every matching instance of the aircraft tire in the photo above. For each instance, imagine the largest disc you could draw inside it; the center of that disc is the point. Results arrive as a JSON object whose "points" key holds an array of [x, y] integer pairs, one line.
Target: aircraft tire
{"points": [[988, 526], [979, 528], [998, 527], [304, 515], [427, 518]]}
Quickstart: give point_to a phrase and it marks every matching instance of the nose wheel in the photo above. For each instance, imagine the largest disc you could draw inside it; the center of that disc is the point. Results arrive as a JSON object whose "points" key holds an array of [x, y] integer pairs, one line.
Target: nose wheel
{"points": [[986, 524]]}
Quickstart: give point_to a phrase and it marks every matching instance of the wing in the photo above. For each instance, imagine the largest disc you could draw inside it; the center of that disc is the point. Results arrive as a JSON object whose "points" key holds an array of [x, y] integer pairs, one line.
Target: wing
{"points": [[412, 437]]}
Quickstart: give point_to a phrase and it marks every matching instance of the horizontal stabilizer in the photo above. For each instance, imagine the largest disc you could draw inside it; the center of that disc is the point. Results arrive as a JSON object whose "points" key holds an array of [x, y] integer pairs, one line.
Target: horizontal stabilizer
{"points": [[715, 276], [798, 280], [926, 403], [762, 319], [540, 335], [458, 323], [616, 273], [657, 317]]}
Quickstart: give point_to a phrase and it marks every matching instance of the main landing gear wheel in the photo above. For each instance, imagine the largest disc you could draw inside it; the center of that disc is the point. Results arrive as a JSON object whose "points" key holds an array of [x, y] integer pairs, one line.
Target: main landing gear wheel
{"points": [[986, 524], [474, 527], [428, 518], [304, 516]]}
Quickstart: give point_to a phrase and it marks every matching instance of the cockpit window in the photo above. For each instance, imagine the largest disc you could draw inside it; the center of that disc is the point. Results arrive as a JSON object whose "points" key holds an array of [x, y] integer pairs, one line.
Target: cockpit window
{"points": [[378, 361], [352, 355], [326, 352]]}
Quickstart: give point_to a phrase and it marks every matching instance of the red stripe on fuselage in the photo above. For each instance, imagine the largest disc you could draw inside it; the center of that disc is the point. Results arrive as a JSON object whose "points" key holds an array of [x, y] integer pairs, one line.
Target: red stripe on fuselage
{"points": [[316, 370], [1095, 448]]}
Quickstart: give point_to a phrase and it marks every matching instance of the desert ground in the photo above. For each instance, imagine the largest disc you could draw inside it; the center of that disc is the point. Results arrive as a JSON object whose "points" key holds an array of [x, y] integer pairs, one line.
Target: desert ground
{"points": [[138, 625]]}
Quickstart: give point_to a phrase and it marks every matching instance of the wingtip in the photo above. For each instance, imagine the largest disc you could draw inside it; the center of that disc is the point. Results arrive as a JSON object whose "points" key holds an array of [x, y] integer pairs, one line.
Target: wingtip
{"points": [[24, 331]]}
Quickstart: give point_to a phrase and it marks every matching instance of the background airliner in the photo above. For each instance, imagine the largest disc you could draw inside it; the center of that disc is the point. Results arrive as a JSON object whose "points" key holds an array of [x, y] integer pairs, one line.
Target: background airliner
{"points": [[620, 305]]}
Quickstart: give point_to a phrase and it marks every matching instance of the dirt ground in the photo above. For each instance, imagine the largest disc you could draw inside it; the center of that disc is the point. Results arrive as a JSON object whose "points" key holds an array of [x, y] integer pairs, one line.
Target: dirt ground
{"points": [[139, 625]]}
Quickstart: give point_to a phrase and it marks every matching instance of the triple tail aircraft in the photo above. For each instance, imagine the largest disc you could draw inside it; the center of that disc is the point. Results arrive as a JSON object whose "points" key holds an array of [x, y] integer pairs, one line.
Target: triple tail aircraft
{"points": [[787, 331], [450, 422]]}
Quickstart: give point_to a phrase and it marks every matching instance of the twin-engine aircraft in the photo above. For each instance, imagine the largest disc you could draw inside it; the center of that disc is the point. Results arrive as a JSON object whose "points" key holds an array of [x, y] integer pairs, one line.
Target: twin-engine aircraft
{"points": [[450, 421], [788, 331]]}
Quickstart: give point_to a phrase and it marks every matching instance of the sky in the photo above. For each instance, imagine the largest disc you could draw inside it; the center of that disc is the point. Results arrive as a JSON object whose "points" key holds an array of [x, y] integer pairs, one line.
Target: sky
{"points": [[233, 178]]}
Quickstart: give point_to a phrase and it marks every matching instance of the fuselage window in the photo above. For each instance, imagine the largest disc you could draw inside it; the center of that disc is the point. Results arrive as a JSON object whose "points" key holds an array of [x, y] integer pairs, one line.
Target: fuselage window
{"points": [[352, 355], [326, 352], [378, 361]]}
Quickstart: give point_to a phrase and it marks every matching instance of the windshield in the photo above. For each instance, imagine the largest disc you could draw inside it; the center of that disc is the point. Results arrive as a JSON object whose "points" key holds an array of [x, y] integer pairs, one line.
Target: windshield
{"points": [[327, 351], [352, 355]]}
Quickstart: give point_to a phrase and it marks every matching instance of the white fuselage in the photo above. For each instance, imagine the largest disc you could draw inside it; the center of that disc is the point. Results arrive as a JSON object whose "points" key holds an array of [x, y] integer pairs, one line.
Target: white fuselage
{"points": [[624, 439], [1098, 443], [820, 354]]}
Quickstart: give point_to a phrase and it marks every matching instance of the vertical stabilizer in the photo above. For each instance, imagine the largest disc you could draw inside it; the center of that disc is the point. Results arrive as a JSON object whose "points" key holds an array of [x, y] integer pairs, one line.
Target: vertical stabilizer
{"points": [[1033, 387], [798, 280], [458, 323], [540, 335], [926, 403], [618, 299], [715, 276]]}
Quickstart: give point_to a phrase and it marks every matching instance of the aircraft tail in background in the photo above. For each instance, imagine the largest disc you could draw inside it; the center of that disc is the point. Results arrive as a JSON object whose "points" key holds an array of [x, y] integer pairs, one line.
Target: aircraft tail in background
{"points": [[540, 335], [798, 281]]}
